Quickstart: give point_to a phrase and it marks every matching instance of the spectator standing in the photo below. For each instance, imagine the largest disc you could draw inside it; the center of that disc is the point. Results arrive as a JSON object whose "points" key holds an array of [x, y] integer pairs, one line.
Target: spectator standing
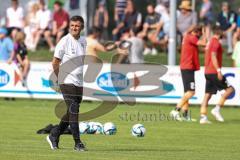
{"points": [[45, 24], [101, 20], [187, 18], [14, 18], [6, 47], [227, 20], [60, 21]]}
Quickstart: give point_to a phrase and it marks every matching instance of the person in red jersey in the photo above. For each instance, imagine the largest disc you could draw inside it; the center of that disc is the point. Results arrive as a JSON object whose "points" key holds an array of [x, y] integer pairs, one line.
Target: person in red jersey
{"points": [[189, 63], [214, 79]]}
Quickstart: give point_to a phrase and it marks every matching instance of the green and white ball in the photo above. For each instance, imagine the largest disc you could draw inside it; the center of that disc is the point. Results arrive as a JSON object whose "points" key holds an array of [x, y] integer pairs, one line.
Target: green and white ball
{"points": [[138, 130], [109, 128], [91, 129], [98, 128], [83, 127]]}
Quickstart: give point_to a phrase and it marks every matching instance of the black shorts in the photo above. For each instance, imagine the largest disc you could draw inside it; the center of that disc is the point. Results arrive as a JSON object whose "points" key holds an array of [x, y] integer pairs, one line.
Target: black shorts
{"points": [[188, 80], [213, 84]]}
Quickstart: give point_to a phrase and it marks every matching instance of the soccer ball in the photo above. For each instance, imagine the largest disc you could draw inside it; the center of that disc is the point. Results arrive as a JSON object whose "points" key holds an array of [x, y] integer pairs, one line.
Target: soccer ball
{"points": [[98, 128], [109, 128], [138, 130], [83, 127], [91, 129]]}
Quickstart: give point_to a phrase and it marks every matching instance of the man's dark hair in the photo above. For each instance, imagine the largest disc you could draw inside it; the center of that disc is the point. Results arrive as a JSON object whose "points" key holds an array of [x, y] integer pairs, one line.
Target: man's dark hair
{"points": [[77, 18], [15, 1], [217, 30], [197, 28], [59, 3]]}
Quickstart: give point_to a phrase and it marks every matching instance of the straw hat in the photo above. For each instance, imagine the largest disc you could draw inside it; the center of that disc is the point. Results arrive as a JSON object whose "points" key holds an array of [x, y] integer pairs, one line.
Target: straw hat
{"points": [[185, 4]]}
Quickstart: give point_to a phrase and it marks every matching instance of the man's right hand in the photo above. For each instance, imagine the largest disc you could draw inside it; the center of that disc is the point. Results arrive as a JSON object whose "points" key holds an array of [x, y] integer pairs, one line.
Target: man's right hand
{"points": [[220, 76]]}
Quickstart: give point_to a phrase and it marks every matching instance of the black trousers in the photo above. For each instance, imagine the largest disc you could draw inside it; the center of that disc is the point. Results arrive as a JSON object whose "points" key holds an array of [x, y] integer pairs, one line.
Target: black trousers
{"points": [[72, 96]]}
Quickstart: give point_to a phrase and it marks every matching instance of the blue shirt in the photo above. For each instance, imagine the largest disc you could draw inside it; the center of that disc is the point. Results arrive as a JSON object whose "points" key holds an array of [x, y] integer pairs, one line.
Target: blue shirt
{"points": [[238, 21], [6, 48]]}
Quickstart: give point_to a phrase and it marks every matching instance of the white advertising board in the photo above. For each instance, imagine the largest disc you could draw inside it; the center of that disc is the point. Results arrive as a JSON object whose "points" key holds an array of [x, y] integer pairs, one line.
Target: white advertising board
{"points": [[108, 84]]}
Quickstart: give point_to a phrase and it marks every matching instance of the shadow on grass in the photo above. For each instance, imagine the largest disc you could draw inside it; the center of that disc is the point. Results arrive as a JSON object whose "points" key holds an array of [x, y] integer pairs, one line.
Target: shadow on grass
{"points": [[89, 149], [138, 150], [232, 121]]}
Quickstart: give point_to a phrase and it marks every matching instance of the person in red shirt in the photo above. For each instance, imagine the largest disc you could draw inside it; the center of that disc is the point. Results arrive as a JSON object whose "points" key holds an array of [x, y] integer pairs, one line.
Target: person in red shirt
{"points": [[189, 63], [214, 79], [60, 21]]}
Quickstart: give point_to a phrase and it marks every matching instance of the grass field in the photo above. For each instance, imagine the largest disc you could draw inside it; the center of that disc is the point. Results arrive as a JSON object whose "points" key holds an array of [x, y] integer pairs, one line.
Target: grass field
{"points": [[164, 140]]}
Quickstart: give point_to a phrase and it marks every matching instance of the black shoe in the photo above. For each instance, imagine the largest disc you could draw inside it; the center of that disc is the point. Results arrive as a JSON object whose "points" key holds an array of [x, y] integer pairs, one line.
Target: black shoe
{"points": [[80, 147], [53, 143]]}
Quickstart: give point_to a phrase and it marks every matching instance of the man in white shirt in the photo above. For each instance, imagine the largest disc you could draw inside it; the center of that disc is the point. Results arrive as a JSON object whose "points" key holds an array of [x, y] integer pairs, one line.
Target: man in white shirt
{"points": [[14, 17], [44, 16], [68, 67]]}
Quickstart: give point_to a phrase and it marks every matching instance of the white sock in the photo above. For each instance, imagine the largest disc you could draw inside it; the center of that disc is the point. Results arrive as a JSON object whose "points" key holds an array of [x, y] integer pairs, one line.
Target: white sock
{"points": [[203, 116], [217, 108]]}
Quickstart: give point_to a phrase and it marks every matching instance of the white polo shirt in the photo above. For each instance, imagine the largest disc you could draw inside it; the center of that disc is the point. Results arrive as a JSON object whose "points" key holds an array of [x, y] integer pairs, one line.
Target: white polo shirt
{"points": [[71, 52], [15, 17], [44, 17]]}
